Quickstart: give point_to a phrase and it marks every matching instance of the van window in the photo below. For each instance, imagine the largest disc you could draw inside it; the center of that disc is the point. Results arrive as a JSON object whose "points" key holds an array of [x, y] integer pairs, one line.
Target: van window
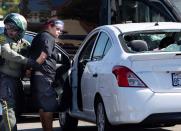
{"points": [[133, 11], [177, 3]]}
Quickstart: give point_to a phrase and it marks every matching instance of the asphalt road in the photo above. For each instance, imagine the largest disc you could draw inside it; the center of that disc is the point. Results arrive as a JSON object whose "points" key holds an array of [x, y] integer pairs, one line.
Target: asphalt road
{"points": [[32, 124]]}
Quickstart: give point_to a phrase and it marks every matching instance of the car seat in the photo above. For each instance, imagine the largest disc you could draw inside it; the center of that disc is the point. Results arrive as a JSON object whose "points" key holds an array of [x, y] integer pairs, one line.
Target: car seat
{"points": [[138, 45]]}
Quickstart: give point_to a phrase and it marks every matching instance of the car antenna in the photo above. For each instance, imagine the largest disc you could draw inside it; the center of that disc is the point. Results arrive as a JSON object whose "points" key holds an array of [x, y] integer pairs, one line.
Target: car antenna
{"points": [[156, 24]]}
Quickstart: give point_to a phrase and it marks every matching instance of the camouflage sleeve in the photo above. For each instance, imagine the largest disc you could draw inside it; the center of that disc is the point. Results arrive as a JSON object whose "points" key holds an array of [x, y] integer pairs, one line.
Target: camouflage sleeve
{"points": [[11, 55]]}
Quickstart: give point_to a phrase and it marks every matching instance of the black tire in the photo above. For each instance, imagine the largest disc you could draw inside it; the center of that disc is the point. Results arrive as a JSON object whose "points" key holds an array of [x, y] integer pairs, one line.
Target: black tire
{"points": [[67, 123], [101, 118]]}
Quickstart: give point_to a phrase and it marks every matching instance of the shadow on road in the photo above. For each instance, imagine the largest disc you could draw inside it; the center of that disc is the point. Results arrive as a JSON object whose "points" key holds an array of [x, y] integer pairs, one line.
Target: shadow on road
{"points": [[137, 128], [126, 128], [26, 119], [32, 119], [40, 129], [87, 128], [93, 128]]}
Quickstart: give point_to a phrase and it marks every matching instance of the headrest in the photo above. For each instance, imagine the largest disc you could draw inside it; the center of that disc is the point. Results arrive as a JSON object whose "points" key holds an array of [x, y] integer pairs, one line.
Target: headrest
{"points": [[138, 45]]}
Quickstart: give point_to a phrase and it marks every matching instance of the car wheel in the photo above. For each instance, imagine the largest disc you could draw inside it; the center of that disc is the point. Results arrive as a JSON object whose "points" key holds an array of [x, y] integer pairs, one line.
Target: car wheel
{"points": [[67, 122], [101, 118]]}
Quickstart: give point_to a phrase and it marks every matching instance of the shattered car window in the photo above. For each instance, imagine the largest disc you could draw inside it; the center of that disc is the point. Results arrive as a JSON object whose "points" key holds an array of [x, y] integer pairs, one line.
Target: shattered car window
{"points": [[167, 41]]}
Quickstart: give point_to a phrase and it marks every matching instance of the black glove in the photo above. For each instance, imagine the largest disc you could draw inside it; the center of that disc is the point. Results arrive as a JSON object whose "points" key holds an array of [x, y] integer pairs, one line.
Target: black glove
{"points": [[33, 64]]}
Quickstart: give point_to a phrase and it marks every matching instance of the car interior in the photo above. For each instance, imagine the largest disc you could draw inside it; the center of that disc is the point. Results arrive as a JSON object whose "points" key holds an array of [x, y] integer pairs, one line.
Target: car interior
{"points": [[138, 45], [152, 42]]}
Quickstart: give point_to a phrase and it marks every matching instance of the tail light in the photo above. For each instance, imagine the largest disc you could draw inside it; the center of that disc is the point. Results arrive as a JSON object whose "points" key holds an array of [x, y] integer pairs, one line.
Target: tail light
{"points": [[126, 78]]}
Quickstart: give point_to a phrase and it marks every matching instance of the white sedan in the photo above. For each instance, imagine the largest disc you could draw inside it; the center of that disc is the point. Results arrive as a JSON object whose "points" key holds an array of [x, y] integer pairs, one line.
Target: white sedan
{"points": [[127, 74]]}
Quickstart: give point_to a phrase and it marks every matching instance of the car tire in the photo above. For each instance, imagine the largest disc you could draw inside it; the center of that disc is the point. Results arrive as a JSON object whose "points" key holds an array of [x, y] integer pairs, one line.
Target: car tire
{"points": [[67, 122], [101, 118]]}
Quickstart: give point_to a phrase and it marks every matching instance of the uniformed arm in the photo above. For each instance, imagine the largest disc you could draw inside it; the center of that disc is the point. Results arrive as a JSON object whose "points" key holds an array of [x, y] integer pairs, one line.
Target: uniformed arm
{"points": [[9, 54], [39, 60], [25, 48]]}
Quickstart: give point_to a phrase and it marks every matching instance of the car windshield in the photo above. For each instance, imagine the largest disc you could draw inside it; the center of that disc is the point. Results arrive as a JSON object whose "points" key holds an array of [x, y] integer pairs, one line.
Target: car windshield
{"points": [[28, 37], [152, 41]]}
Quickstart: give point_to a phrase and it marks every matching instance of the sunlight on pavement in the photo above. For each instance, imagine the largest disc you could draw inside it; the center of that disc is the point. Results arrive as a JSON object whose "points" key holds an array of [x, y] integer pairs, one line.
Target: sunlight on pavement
{"points": [[35, 125]]}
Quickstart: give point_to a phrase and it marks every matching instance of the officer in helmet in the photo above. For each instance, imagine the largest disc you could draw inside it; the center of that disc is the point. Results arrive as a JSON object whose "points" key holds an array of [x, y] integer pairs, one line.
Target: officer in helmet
{"points": [[10, 70]]}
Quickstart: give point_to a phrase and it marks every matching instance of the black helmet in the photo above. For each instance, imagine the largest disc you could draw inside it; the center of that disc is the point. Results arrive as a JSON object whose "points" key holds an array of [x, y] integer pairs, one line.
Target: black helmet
{"points": [[18, 21]]}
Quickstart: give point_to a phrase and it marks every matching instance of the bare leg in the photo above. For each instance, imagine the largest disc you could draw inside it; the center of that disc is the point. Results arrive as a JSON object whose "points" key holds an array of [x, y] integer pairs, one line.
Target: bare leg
{"points": [[46, 120]]}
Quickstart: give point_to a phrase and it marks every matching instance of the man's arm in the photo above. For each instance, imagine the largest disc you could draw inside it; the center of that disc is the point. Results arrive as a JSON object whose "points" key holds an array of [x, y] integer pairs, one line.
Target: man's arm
{"points": [[41, 58]]}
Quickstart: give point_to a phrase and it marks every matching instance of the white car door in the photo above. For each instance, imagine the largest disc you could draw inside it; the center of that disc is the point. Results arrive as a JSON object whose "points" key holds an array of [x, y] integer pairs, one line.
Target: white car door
{"points": [[88, 84], [90, 77], [84, 57]]}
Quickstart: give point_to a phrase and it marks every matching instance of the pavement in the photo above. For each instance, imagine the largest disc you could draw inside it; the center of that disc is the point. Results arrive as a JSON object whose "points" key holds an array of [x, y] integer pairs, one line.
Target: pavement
{"points": [[32, 123]]}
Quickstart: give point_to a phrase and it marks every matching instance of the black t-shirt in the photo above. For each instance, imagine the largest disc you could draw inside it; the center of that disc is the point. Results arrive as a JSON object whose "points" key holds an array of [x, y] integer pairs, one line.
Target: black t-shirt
{"points": [[45, 42]]}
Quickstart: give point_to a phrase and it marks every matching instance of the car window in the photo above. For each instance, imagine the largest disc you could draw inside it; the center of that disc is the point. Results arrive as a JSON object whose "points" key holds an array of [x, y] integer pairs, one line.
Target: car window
{"points": [[102, 46], [86, 51], [1, 30], [28, 37], [108, 46], [166, 40]]}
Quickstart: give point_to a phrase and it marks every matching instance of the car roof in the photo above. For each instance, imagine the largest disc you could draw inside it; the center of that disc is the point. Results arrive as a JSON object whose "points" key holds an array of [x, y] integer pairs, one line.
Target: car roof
{"points": [[148, 26]]}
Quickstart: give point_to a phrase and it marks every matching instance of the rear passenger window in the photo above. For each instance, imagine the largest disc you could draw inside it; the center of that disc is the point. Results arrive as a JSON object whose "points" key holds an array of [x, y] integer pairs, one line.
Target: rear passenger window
{"points": [[108, 46], [88, 48], [102, 46]]}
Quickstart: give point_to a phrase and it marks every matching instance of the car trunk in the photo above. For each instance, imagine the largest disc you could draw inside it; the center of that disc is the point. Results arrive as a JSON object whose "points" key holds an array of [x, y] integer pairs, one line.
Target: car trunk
{"points": [[161, 72]]}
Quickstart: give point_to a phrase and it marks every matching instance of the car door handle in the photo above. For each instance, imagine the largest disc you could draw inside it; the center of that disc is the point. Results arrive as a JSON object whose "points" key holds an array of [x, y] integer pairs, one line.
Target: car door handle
{"points": [[95, 75]]}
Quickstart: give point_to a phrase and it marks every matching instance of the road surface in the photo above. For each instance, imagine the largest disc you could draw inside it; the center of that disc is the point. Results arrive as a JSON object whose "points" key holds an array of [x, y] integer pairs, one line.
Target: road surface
{"points": [[33, 124]]}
